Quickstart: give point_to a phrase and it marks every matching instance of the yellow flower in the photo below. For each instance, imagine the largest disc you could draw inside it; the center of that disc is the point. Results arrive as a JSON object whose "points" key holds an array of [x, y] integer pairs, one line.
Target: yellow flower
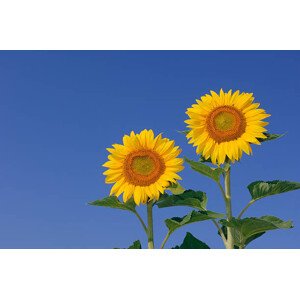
{"points": [[143, 166], [224, 125]]}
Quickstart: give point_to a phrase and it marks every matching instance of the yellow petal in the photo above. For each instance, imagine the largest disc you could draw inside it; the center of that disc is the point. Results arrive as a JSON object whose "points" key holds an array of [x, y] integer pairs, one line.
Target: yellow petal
{"points": [[244, 146], [137, 195], [116, 186], [222, 153], [128, 192], [250, 138]]}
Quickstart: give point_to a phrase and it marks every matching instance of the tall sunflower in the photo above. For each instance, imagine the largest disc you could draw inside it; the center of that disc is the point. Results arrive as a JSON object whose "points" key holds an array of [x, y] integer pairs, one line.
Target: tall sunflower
{"points": [[224, 125], [143, 166]]}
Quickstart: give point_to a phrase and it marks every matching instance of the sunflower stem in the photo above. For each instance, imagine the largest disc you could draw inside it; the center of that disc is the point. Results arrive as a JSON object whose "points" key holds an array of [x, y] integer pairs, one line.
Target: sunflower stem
{"points": [[165, 240], [220, 231], [141, 221], [230, 241], [245, 208], [222, 190], [150, 224]]}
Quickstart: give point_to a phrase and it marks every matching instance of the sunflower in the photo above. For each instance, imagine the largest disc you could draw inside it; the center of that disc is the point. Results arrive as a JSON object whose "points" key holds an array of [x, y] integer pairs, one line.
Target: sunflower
{"points": [[143, 166], [224, 125]]}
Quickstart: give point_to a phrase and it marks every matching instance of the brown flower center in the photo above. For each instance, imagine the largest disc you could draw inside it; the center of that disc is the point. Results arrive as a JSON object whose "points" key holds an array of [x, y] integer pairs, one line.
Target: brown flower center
{"points": [[143, 167], [225, 123]]}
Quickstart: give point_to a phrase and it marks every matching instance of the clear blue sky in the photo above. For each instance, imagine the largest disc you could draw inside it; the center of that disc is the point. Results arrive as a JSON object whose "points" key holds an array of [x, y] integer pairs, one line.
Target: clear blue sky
{"points": [[60, 110]]}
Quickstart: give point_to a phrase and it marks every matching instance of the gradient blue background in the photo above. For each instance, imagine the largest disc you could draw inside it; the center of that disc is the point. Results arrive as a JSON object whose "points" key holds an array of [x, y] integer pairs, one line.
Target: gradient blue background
{"points": [[60, 110]]}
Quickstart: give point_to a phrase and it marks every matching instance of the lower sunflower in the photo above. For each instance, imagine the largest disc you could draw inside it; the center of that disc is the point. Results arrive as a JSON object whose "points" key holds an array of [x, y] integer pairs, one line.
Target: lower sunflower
{"points": [[143, 166], [224, 125]]}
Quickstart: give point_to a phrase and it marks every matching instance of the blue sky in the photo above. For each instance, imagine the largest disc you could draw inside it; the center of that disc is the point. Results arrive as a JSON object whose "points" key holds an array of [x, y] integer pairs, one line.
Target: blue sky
{"points": [[60, 110]]}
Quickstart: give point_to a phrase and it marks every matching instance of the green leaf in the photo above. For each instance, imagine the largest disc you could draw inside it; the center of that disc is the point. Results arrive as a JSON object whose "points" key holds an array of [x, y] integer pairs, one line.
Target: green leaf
{"points": [[253, 237], [270, 137], [176, 188], [194, 216], [190, 242], [136, 245], [248, 229], [261, 189], [113, 202], [190, 198], [213, 173], [250, 239]]}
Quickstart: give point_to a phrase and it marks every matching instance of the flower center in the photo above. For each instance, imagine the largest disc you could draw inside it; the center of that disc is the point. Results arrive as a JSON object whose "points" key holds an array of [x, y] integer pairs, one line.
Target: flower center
{"points": [[225, 123], [143, 167]]}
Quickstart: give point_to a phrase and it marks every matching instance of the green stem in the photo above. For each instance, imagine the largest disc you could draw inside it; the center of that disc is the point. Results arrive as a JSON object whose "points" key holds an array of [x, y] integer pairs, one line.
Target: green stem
{"points": [[150, 225], [141, 220], [165, 240], [230, 241], [245, 208], [220, 231], [225, 200], [222, 190]]}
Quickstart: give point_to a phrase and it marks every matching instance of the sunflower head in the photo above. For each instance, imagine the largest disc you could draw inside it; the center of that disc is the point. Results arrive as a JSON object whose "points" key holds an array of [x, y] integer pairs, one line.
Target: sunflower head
{"points": [[143, 166], [224, 125]]}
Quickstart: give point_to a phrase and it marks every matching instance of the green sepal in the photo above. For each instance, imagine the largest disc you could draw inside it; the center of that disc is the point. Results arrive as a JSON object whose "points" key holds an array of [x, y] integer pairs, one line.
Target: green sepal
{"points": [[184, 132], [175, 188], [203, 160], [270, 137]]}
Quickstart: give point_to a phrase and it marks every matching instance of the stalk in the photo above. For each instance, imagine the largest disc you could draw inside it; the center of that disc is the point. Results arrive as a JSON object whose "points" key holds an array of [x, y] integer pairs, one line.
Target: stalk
{"points": [[141, 221], [150, 224], [165, 240], [230, 241], [246, 208]]}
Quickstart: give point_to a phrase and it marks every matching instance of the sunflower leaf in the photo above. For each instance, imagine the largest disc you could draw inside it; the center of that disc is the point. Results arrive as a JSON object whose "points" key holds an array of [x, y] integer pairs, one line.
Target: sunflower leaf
{"points": [[253, 237], [194, 216], [136, 245], [190, 242], [213, 173], [270, 137], [261, 189], [190, 198], [113, 202], [249, 229], [248, 240]]}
